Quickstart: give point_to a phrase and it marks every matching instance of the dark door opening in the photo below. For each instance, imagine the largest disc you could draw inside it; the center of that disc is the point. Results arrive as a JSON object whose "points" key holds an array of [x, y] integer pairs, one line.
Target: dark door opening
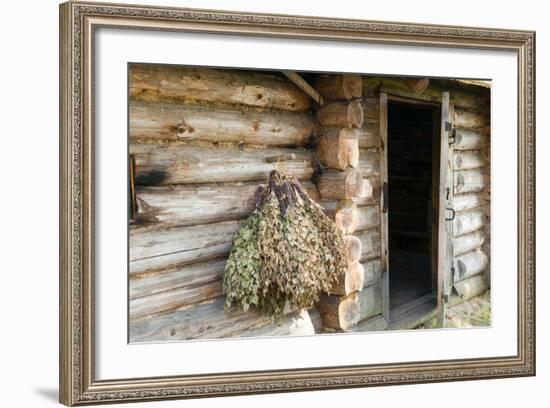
{"points": [[413, 174]]}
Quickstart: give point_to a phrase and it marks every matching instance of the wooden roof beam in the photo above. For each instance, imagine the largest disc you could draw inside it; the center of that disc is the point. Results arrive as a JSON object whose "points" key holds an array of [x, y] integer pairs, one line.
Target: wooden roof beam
{"points": [[305, 86]]}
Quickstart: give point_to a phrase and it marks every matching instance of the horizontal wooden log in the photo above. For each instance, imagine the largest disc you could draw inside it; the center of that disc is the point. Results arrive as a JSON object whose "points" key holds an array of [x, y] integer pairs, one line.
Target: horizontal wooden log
{"points": [[145, 306], [468, 221], [368, 135], [469, 120], [207, 320], [203, 85], [458, 97], [293, 324], [180, 122], [195, 274], [341, 115], [371, 185], [369, 162], [372, 271], [471, 287], [470, 181], [340, 184], [154, 249], [466, 139], [339, 87], [162, 165], [468, 242], [468, 160], [470, 264], [371, 109], [370, 244], [370, 301], [338, 148], [367, 217], [183, 205], [462, 202]]}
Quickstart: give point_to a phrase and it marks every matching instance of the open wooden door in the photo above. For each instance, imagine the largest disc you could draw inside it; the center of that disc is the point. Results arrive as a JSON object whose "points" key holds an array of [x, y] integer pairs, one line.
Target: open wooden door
{"points": [[446, 213]]}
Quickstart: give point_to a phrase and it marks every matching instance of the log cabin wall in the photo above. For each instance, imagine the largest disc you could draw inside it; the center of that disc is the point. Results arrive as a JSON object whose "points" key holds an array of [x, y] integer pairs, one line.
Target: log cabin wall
{"points": [[202, 140]]}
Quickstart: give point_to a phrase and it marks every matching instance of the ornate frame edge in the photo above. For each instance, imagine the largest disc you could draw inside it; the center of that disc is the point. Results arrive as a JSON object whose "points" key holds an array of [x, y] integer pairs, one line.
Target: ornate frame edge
{"points": [[76, 364]]}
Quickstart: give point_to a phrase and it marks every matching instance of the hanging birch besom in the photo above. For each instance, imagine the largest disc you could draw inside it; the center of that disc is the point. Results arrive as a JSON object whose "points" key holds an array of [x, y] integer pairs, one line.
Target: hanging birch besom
{"points": [[288, 251]]}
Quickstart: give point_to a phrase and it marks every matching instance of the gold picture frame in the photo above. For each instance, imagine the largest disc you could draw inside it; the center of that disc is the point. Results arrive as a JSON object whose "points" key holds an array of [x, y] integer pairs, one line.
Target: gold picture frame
{"points": [[78, 22]]}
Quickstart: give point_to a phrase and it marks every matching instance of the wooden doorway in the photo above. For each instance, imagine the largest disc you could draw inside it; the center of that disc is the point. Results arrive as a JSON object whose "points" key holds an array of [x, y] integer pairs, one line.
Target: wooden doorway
{"points": [[414, 175]]}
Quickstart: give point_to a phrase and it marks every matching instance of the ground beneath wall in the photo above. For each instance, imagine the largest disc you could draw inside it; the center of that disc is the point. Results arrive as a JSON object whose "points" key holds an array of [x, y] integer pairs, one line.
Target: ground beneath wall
{"points": [[475, 312]]}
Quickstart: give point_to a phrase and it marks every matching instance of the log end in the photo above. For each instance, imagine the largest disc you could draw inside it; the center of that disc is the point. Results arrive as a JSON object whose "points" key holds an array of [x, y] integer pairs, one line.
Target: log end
{"points": [[355, 114], [352, 85]]}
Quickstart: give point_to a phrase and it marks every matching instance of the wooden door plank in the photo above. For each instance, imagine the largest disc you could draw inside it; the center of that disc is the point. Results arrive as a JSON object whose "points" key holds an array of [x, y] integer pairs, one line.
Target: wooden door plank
{"points": [[441, 225]]}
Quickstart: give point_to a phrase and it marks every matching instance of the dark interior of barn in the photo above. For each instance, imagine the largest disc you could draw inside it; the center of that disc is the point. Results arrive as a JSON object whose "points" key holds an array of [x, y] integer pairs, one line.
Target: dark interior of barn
{"points": [[412, 161]]}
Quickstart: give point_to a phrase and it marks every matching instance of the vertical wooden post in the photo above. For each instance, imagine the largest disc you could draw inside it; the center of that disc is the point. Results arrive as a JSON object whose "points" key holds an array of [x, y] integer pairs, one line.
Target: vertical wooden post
{"points": [[384, 206]]}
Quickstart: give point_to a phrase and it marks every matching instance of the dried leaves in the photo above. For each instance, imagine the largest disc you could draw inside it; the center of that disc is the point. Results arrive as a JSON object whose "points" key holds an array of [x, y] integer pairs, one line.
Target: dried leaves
{"points": [[288, 251]]}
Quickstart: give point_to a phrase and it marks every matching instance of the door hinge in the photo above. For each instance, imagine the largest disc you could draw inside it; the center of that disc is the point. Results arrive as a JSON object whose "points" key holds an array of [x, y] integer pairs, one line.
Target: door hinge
{"points": [[385, 197], [452, 135], [452, 210], [132, 176]]}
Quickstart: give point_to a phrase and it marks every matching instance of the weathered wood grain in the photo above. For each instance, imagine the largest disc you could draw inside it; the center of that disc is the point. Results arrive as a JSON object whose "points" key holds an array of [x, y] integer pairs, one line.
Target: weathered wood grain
{"points": [[462, 202], [179, 122], [372, 270], [466, 139], [195, 274], [338, 148], [206, 320], [469, 119], [369, 162], [470, 181], [368, 135], [172, 299], [339, 87], [370, 301], [468, 221], [471, 287], [470, 264], [367, 217], [162, 165], [465, 160], [154, 249], [183, 205], [337, 184], [341, 115], [370, 244], [468, 242], [229, 87]]}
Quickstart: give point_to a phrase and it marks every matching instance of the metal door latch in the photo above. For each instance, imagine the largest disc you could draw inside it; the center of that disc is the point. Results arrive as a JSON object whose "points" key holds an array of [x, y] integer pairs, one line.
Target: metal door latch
{"points": [[452, 216]]}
